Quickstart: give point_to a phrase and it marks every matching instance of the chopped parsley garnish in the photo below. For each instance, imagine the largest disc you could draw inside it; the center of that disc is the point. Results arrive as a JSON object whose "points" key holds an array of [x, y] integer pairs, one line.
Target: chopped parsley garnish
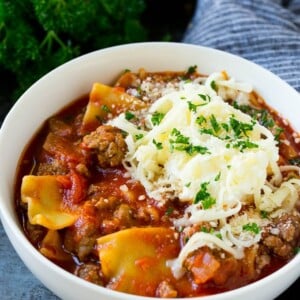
{"points": [[244, 144], [207, 230], [297, 250], [192, 106], [263, 117], [156, 118], [105, 108], [218, 235], [217, 178], [179, 138], [200, 120], [208, 202], [225, 126], [278, 132], [264, 214], [191, 149], [158, 145], [252, 227], [169, 211], [191, 69], [204, 97], [214, 123], [139, 136], [182, 143], [234, 131], [240, 128], [129, 115], [213, 85], [204, 197], [207, 131]]}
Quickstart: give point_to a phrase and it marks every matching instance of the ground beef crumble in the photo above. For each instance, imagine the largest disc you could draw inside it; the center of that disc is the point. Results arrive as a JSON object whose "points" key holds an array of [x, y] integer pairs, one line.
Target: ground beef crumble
{"points": [[282, 235], [109, 145]]}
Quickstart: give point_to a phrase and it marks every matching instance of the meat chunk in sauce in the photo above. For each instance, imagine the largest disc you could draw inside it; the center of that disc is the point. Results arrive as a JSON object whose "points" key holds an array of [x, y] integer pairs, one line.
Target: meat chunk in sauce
{"points": [[80, 238], [90, 272], [109, 145], [282, 235]]}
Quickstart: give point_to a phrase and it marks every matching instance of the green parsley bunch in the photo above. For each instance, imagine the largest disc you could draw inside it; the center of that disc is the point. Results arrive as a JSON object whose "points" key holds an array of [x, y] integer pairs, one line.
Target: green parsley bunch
{"points": [[39, 35]]}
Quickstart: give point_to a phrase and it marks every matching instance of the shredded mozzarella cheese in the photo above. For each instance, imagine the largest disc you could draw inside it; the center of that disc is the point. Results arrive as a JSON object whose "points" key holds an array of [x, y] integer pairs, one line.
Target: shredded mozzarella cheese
{"points": [[211, 155]]}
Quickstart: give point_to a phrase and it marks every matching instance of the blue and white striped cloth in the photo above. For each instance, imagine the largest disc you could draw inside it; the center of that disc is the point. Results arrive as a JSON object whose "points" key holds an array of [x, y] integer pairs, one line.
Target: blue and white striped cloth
{"points": [[266, 32]]}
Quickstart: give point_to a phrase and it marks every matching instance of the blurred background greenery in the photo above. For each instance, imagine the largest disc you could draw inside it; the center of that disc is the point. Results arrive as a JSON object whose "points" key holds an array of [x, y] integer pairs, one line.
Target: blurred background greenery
{"points": [[38, 35]]}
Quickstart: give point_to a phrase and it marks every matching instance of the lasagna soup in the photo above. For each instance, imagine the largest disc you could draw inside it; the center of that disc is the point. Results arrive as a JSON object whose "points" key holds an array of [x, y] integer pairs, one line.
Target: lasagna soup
{"points": [[169, 184]]}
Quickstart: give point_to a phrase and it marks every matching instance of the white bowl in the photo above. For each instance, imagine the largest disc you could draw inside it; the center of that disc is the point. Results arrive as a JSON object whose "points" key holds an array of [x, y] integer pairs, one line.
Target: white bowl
{"points": [[75, 79]]}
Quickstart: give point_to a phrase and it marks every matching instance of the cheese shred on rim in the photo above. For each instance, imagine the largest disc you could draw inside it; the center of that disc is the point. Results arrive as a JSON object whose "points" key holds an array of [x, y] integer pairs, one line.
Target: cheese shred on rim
{"points": [[196, 147]]}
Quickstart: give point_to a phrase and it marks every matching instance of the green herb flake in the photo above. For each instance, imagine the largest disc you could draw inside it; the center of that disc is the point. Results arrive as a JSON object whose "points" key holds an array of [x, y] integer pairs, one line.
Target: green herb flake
{"points": [[156, 118], [208, 202], [214, 123], [129, 115], [192, 69], [188, 184], [105, 108], [191, 149], [265, 119], [207, 131], [182, 143], [192, 106], [217, 178], [158, 145], [204, 97], [225, 126], [242, 145], [239, 128], [200, 120], [169, 211], [218, 235], [207, 230], [179, 137], [264, 214], [251, 227], [204, 197], [214, 86], [278, 132], [139, 136]]}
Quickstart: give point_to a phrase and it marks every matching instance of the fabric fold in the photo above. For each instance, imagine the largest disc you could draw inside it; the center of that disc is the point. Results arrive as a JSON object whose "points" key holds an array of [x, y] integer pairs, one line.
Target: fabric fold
{"points": [[266, 32]]}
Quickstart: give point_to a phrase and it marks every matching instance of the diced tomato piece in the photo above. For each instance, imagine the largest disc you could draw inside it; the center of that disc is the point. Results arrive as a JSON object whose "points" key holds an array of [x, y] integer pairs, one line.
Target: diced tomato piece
{"points": [[203, 266]]}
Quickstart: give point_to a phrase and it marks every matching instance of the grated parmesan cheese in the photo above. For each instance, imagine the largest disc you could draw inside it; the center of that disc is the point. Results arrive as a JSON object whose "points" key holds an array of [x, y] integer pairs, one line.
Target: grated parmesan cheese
{"points": [[211, 155]]}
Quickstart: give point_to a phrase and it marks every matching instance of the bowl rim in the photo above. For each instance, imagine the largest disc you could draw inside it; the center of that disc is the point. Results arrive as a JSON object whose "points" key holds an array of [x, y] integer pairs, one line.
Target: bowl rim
{"points": [[10, 225]]}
